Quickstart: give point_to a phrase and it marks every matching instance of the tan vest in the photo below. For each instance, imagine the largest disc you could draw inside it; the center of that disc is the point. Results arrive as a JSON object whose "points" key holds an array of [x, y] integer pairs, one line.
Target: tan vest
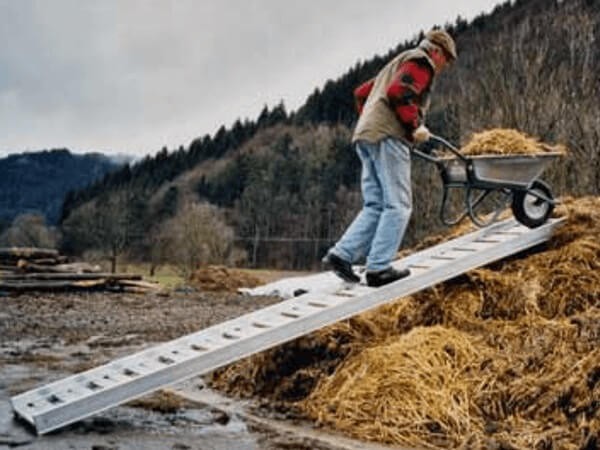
{"points": [[378, 120]]}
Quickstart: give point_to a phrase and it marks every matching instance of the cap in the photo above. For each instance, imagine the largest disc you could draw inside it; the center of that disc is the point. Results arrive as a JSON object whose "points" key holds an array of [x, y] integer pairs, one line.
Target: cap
{"points": [[443, 40]]}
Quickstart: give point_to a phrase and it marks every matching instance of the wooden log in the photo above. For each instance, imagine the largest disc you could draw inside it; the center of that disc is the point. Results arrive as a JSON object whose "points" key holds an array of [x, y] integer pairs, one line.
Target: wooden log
{"points": [[50, 261], [70, 276], [89, 283], [80, 267], [134, 290], [54, 285], [27, 252], [139, 284]]}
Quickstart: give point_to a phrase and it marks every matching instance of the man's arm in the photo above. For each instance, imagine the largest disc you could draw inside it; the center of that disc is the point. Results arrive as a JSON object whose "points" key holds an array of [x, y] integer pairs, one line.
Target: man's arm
{"points": [[361, 94], [404, 93]]}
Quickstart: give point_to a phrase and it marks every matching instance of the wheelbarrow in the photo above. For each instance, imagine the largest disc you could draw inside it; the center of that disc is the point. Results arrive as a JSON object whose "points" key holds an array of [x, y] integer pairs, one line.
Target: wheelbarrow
{"points": [[512, 179]]}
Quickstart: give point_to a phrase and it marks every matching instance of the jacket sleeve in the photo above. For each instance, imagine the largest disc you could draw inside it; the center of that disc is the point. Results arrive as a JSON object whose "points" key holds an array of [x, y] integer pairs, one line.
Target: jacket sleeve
{"points": [[405, 90], [361, 93]]}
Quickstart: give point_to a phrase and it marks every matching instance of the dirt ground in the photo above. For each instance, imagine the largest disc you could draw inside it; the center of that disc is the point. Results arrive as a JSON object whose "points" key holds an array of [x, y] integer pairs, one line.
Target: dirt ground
{"points": [[44, 337]]}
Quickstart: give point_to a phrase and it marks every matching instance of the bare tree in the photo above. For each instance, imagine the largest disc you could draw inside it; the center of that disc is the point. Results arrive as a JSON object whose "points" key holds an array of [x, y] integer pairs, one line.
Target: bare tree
{"points": [[30, 230], [196, 236], [108, 224]]}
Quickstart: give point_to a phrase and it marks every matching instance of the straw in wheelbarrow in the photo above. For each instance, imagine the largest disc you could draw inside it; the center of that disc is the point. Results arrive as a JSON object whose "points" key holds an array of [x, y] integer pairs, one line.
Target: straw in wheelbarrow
{"points": [[502, 141]]}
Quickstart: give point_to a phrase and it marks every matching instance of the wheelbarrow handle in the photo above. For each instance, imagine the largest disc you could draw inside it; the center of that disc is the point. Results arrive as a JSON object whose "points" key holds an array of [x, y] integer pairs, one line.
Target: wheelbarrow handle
{"points": [[453, 148], [443, 141]]}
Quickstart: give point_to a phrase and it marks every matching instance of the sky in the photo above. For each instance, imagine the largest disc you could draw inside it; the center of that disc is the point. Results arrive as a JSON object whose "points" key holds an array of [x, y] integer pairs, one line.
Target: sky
{"points": [[133, 76]]}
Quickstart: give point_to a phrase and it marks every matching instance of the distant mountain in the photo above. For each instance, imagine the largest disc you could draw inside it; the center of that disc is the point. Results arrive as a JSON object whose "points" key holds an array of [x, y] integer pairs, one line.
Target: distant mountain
{"points": [[39, 181]]}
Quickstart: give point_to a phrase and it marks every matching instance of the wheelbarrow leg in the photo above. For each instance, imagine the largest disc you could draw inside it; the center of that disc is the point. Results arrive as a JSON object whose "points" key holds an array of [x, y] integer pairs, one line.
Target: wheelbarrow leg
{"points": [[471, 206], [445, 220]]}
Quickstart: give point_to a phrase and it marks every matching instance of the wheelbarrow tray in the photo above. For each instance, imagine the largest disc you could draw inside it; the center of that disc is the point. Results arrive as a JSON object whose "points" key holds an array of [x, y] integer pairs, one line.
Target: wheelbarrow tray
{"points": [[497, 170]]}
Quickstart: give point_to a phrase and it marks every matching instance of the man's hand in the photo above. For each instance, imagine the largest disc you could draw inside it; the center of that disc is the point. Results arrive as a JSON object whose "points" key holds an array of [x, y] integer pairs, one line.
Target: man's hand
{"points": [[421, 134]]}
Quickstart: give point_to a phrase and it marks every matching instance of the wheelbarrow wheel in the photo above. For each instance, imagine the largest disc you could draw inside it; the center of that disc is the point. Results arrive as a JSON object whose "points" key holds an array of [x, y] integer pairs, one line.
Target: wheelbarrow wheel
{"points": [[531, 210]]}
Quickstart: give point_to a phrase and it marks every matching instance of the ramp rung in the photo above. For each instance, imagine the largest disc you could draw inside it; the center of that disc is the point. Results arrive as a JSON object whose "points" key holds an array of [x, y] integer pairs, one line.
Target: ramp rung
{"points": [[488, 240], [431, 262], [443, 257], [417, 269], [327, 301], [478, 246], [453, 254], [355, 291]]}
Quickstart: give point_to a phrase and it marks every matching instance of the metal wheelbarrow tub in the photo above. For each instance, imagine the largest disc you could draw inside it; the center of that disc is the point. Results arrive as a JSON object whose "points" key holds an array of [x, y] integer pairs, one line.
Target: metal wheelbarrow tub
{"points": [[514, 171]]}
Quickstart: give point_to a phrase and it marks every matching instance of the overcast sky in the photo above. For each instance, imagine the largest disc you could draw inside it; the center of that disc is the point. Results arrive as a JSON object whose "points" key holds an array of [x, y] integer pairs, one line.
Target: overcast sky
{"points": [[132, 76]]}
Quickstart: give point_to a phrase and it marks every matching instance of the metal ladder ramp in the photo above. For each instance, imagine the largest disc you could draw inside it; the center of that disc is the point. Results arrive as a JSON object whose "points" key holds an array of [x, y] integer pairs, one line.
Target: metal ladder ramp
{"points": [[82, 395]]}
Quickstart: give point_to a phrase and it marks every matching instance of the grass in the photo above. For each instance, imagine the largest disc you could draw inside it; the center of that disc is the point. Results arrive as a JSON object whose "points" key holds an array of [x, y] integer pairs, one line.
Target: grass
{"points": [[270, 275], [166, 275]]}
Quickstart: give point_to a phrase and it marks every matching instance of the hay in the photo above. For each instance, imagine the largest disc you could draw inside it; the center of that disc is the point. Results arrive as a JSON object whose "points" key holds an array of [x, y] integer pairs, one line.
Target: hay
{"points": [[391, 392], [504, 357], [518, 384], [222, 279], [500, 141]]}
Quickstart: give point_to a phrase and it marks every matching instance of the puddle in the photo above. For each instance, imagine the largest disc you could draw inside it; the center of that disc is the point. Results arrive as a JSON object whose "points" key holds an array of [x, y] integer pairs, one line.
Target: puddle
{"points": [[121, 428]]}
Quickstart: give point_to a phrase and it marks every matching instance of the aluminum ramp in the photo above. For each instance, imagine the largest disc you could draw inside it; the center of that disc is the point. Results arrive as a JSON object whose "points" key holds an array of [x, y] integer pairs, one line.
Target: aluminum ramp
{"points": [[328, 300]]}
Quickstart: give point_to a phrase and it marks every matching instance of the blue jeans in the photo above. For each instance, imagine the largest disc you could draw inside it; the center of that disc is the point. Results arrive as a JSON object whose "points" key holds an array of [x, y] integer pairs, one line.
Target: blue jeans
{"points": [[378, 229]]}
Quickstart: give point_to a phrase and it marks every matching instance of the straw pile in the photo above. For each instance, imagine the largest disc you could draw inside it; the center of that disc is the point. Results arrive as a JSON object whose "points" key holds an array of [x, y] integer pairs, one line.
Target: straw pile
{"points": [[501, 141], [505, 357]]}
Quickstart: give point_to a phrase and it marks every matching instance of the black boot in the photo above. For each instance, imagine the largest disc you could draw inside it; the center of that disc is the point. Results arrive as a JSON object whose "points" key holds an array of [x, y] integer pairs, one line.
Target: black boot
{"points": [[389, 275], [340, 267]]}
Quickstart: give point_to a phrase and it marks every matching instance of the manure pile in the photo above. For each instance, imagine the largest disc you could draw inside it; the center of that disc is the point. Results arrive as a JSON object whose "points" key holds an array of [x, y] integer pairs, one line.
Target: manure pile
{"points": [[504, 357], [500, 141], [222, 279]]}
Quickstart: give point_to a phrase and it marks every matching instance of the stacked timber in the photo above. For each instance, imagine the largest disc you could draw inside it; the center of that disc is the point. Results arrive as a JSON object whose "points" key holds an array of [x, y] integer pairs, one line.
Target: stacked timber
{"points": [[38, 269]]}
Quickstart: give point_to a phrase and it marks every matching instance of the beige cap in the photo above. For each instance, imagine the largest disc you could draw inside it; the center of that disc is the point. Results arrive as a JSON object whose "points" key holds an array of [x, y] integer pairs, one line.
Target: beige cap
{"points": [[443, 40]]}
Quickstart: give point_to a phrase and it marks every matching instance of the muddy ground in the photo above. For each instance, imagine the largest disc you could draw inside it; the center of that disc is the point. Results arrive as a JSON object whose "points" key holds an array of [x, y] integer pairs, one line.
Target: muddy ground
{"points": [[44, 337]]}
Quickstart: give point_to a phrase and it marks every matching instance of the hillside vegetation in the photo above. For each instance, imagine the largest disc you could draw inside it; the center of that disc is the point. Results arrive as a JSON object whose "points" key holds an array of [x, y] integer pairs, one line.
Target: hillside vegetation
{"points": [[287, 183]]}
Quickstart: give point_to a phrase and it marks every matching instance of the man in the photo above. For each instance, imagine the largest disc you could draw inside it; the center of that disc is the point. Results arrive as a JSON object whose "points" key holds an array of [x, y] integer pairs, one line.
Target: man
{"points": [[391, 110]]}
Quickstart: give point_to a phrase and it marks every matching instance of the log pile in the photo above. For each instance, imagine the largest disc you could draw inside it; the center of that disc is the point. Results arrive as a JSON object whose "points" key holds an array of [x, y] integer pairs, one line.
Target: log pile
{"points": [[37, 269]]}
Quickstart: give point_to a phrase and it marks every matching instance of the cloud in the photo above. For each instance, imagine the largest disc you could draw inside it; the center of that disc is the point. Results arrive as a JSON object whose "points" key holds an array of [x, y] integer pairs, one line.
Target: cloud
{"points": [[136, 75]]}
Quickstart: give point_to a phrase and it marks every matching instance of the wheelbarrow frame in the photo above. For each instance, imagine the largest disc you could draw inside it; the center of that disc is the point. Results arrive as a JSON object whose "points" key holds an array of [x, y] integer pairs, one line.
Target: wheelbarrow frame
{"points": [[509, 174]]}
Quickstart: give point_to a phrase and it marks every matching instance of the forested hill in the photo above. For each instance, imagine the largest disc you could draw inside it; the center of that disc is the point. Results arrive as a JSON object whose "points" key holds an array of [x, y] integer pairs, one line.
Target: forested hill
{"points": [[38, 181], [528, 64]]}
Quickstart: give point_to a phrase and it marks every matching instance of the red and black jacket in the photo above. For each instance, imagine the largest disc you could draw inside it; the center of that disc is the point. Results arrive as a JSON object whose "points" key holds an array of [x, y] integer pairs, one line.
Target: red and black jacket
{"points": [[405, 93]]}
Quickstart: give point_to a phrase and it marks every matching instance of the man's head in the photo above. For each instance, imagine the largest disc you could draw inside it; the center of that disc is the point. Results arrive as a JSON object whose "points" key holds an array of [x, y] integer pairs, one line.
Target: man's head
{"points": [[441, 48]]}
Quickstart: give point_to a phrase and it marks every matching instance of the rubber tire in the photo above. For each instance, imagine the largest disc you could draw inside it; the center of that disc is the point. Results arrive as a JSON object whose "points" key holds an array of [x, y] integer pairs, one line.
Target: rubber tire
{"points": [[519, 210]]}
